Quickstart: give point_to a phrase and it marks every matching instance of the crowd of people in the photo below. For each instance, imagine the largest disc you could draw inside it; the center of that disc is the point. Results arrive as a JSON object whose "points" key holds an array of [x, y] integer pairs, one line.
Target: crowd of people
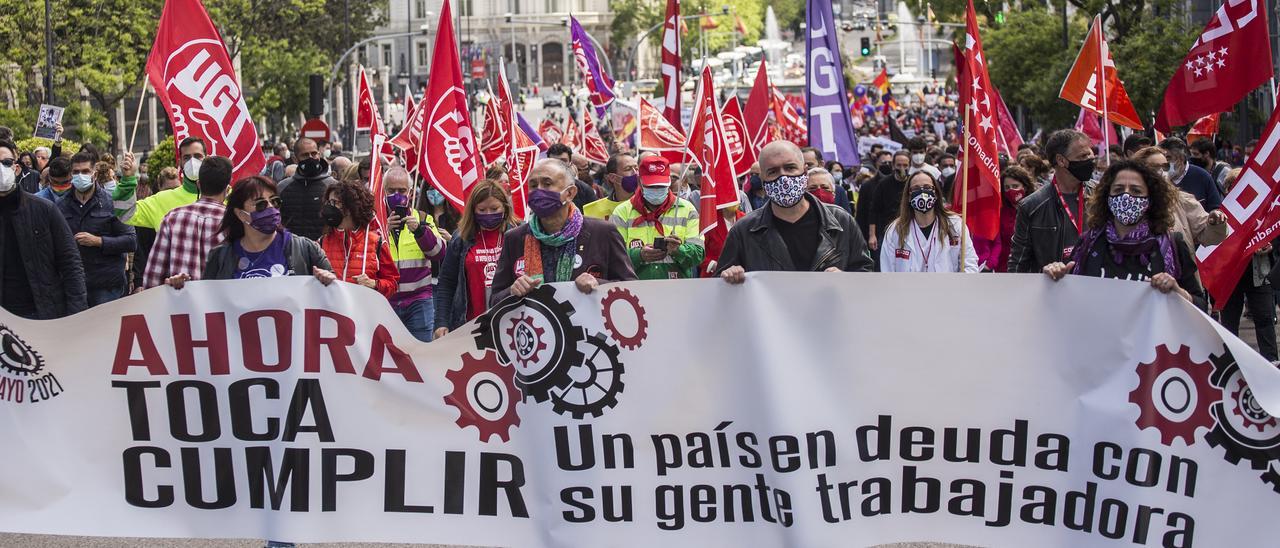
{"points": [[84, 230]]}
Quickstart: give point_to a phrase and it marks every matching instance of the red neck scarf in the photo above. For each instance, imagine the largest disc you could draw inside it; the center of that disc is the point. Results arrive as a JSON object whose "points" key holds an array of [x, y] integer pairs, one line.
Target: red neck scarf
{"points": [[653, 215]]}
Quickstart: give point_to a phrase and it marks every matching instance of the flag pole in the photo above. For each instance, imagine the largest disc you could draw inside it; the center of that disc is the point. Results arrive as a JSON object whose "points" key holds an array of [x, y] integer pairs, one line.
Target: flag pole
{"points": [[143, 99], [964, 190], [1102, 90]]}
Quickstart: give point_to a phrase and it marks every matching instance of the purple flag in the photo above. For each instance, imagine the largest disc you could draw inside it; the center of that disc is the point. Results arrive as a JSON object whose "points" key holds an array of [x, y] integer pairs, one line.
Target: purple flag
{"points": [[584, 53], [532, 133], [830, 124]]}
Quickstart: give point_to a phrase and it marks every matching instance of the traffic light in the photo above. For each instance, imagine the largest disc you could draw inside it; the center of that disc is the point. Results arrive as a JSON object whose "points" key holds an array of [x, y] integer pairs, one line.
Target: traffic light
{"points": [[866, 46], [999, 17]]}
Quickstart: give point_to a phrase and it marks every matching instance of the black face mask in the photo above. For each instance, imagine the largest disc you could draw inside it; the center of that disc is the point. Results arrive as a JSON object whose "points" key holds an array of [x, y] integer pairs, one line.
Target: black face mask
{"points": [[331, 215], [1082, 170], [312, 167], [885, 169], [1199, 162]]}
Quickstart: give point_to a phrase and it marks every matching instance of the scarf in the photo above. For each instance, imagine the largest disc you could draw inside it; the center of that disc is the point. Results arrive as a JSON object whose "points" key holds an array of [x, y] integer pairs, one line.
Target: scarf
{"points": [[562, 243], [653, 215], [1138, 243]]}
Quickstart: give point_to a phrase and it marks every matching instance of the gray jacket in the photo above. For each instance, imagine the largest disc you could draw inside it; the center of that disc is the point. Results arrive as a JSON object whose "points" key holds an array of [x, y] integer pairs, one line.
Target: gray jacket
{"points": [[302, 254]]}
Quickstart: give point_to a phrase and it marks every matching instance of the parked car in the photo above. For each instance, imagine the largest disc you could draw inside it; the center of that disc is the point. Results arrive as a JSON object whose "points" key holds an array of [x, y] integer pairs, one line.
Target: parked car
{"points": [[552, 100]]}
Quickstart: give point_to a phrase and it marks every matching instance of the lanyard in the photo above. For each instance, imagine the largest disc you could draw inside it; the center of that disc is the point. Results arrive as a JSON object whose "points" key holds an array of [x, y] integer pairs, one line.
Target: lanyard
{"points": [[1077, 220], [933, 236]]}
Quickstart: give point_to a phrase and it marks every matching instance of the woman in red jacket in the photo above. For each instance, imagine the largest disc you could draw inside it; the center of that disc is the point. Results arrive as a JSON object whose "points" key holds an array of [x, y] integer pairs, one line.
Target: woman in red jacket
{"points": [[356, 250]]}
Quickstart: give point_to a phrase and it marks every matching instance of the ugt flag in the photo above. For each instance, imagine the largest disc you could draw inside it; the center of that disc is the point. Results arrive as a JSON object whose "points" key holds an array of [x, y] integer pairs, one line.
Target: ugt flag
{"points": [[830, 124], [194, 78], [448, 155], [584, 53]]}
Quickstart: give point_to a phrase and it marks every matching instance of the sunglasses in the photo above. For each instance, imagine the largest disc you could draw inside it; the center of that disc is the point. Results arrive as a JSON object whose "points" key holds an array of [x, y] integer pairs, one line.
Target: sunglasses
{"points": [[7, 162], [261, 204]]}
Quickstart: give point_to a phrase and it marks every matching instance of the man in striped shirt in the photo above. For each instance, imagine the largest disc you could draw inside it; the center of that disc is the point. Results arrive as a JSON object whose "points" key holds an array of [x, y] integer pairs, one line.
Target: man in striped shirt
{"points": [[187, 233]]}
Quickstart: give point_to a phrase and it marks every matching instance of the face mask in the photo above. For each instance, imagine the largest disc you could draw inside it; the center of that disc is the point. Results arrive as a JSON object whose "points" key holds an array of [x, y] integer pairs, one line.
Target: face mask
{"points": [[265, 221], [655, 195], [948, 171], [917, 159], [630, 183], [838, 175], [331, 215], [684, 194], [1014, 195], [110, 187], [312, 168], [8, 181], [885, 169], [1199, 162], [490, 221], [1127, 208], [823, 195], [191, 169], [786, 190], [435, 197], [545, 202], [900, 173], [82, 181], [1082, 170], [397, 200], [1176, 171], [923, 199]]}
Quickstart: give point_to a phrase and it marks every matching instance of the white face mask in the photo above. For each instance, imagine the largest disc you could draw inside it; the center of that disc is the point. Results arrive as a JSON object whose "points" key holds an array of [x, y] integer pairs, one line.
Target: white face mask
{"points": [[191, 169], [917, 159], [948, 171], [8, 180]]}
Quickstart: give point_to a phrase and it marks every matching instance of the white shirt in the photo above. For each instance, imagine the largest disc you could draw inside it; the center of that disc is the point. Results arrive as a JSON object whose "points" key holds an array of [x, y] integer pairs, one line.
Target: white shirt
{"points": [[933, 253]]}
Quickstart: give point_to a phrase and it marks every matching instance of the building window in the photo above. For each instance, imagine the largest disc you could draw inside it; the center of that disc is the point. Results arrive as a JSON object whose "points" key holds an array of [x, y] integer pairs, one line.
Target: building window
{"points": [[553, 6], [386, 55], [515, 6], [466, 8], [420, 9], [422, 53]]}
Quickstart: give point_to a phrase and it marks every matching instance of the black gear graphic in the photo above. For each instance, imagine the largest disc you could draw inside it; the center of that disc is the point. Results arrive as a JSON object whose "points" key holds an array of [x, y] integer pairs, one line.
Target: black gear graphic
{"points": [[1238, 444], [1272, 478], [597, 384], [16, 356], [561, 343]]}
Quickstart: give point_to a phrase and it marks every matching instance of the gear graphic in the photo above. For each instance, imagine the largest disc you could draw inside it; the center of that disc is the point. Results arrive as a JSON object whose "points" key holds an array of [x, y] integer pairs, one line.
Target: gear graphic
{"points": [[485, 394], [1174, 395], [550, 340], [642, 324], [526, 339], [16, 356], [597, 381], [1247, 408], [1272, 477]]}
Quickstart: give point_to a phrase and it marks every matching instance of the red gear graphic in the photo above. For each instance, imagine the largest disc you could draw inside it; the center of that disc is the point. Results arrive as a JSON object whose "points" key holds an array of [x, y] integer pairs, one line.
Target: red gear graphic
{"points": [[1252, 415], [462, 400], [538, 332], [642, 324], [1203, 392]]}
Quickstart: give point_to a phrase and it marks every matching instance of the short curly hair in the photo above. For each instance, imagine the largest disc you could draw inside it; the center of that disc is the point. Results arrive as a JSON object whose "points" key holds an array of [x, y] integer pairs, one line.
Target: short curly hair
{"points": [[356, 200], [1163, 196]]}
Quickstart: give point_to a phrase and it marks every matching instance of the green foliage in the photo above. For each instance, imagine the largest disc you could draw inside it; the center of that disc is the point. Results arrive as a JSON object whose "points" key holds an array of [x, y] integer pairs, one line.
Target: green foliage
{"points": [[21, 121], [1148, 58], [164, 155], [632, 17], [31, 143]]}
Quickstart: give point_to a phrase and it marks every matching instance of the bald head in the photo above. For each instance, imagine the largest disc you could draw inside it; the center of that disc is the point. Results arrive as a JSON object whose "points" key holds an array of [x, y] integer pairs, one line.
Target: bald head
{"points": [[396, 179], [780, 158], [340, 163], [551, 173]]}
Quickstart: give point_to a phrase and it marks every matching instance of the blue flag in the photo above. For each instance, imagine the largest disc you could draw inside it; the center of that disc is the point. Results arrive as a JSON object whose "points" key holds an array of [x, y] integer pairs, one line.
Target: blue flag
{"points": [[830, 124]]}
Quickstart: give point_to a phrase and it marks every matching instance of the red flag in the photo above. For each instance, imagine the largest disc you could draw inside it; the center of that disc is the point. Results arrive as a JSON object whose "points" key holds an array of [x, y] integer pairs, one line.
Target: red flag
{"points": [[519, 165], [707, 147], [740, 27], [593, 146], [1094, 68], [1230, 59], [367, 118], [572, 135], [790, 124], [684, 28], [447, 155], [658, 135], [410, 134], [1205, 127], [1087, 123], [1252, 215], [707, 23], [189, 69], [671, 65], [756, 113], [551, 133], [881, 83], [498, 137], [982, 204], [1009, 136], [375, 185], [741, 150]]}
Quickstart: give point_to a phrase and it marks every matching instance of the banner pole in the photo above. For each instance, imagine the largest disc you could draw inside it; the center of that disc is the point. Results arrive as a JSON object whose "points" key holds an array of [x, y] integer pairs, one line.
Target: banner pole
{"points": [[964, 190], [1102, 90], [142, 99]]}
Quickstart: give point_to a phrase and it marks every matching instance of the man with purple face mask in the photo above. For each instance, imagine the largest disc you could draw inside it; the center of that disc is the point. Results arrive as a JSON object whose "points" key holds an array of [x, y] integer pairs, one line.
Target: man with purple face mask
{"points": [[559, 243], [623, 178], [415, 243]]}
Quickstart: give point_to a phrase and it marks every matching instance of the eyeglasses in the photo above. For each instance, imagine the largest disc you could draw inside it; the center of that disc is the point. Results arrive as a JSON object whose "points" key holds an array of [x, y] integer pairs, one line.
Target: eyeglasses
{"points": [[261, 204], [7, 162]]}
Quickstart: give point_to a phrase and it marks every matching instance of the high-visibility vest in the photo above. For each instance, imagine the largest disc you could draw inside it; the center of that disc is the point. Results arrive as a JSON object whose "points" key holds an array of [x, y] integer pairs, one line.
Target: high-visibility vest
{"points": [[408, 255]]}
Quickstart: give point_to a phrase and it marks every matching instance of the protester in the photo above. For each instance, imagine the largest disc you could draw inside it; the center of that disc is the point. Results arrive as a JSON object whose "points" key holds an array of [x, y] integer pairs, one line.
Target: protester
{"points": [[588, 190], [188, 233], [415, 245], [883, 208], [883, 165], [917, 147], [276, 163], [813, 158], [303, 193], [124, 193], [1016, 184], [255, 244], [1051, 220], [559, 243], [925, 237], [1136, 142], [821, 185], [795, 232], [660, 230], [471, 262], [622, 178], [28, 179], [1190, 178], [41, 276], [149, 212], [1130, 237], [356, 251], [102, 239], [59, 179], [1197, 227], [1254, 287], [445, 216], [1205, 156]]}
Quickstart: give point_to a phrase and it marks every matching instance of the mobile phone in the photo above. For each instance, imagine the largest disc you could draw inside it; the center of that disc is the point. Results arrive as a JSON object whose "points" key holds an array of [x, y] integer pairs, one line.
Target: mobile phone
{"points": [[660, 243], [402, 211]]}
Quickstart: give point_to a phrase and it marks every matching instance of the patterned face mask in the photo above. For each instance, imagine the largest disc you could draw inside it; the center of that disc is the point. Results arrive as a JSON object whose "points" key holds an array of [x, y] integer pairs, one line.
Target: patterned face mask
{"points": [[923, 199], [1127, 208], [786, 190]]}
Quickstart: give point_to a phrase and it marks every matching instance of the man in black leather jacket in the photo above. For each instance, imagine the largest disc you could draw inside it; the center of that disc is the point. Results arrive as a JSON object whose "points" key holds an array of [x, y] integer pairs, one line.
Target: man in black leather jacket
{"points": [[1050, 220], [796, 232]]}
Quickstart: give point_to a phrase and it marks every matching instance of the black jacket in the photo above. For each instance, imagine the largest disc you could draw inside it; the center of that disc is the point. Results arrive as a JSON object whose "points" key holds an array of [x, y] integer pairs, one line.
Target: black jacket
{"points": [[49, 256], [450, 295], [1043, 233], [103, 265], [885, 203], [755, 245], [302, 199], [1099, 262]]}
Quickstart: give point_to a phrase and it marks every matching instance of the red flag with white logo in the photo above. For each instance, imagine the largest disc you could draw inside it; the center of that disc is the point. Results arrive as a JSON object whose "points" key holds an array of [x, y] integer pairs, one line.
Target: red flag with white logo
{"points": [[593, 146], [524, 153], [671, 64], [189, 69], [1230, 59], [551, 133], [1094, 83], [367, 118], [735, 136], [658, 135], [497, 137], [410, 134], [791, 125], [759, 103], [572, 135], [1205, 127], [447, 155], [707, 147], [375, 185], [982, 204]]}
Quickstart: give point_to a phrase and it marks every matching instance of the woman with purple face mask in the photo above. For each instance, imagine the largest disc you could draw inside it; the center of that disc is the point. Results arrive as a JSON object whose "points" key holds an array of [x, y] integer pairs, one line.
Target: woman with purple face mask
{"points": [[255, 244], [471, 260]]}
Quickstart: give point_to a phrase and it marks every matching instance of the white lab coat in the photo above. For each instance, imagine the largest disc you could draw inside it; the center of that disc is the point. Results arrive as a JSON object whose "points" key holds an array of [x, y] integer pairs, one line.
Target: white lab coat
{"points": [[944, 253]]}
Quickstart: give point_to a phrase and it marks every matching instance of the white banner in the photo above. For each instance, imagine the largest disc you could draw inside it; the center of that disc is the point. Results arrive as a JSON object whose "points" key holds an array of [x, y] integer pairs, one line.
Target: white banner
{"points": [[793, 410]]}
